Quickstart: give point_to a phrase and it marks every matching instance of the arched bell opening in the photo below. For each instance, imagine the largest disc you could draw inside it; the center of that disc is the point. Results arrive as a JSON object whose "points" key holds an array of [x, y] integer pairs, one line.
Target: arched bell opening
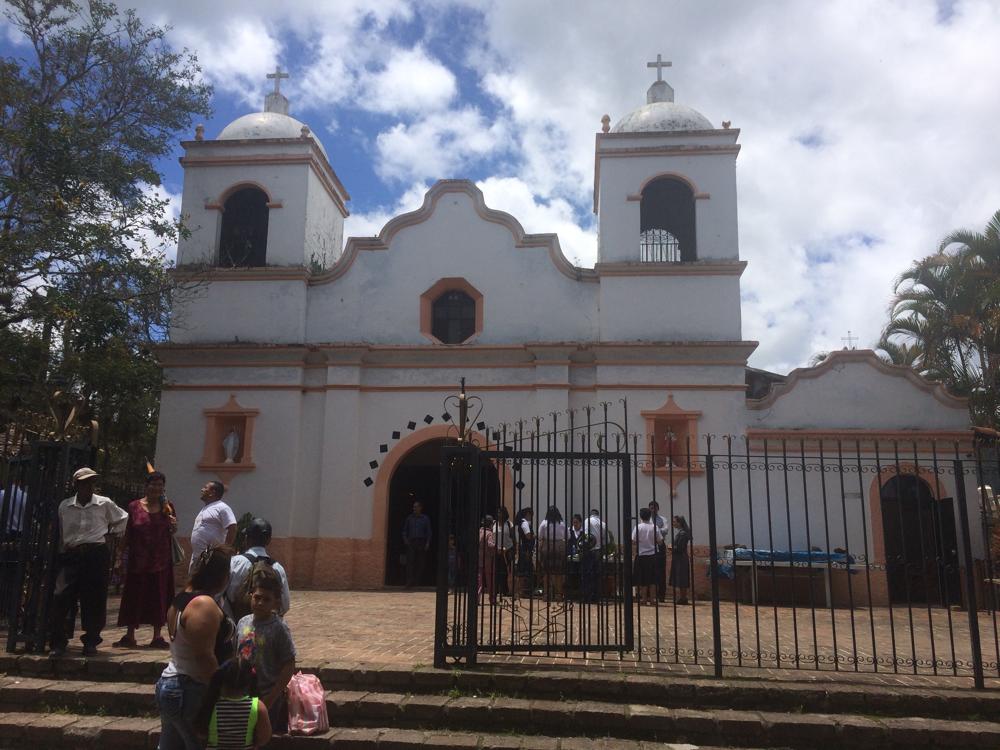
{"points": [[243, 240], [667, 222]]}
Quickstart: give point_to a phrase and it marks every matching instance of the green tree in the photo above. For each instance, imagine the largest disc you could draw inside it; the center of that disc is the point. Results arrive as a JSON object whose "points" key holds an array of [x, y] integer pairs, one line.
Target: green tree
{"points": [[96, 99], [945, 316], [91, 100]]}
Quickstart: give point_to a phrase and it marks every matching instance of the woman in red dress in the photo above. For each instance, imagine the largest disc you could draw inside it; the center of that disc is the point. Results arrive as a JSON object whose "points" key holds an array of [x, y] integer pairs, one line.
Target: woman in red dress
{"points": [[149, 564]]}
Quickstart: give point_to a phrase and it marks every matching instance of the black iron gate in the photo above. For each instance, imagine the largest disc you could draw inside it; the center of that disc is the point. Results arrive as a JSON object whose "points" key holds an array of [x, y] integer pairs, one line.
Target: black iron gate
{"points": [[35, 476], [826, 553], [554, 578]]}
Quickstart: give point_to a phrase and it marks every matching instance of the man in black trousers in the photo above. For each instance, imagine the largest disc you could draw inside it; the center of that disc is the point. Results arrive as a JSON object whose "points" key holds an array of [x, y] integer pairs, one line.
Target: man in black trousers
{"points": [[86, 521], [417, 538]]}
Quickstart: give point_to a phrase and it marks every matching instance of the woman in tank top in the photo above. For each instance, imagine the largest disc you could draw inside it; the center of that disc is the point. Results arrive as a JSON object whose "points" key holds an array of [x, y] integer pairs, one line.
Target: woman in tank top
{"points": [[199, 635]]}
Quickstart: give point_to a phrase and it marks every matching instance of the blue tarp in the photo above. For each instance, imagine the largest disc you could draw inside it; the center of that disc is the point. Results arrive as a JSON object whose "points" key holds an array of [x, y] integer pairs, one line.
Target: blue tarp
{"points": [[798, 557]]}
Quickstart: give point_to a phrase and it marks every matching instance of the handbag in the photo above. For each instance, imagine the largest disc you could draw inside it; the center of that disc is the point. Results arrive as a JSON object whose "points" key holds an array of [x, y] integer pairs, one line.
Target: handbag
{"points": [[306, 705], [177, 551]]}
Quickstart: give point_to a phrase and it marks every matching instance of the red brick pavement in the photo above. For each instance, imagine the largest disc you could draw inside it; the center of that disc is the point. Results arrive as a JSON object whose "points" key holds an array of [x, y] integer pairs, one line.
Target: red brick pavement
{"points": [[397, 627]]}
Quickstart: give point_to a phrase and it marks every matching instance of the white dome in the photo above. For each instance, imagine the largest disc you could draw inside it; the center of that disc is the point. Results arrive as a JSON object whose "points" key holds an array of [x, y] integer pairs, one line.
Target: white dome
{"points": [[662, 116], [266, 125]]}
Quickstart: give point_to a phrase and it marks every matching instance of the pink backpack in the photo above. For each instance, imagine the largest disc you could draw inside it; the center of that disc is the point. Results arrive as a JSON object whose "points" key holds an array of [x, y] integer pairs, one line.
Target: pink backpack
{"points": [[306, 705]]}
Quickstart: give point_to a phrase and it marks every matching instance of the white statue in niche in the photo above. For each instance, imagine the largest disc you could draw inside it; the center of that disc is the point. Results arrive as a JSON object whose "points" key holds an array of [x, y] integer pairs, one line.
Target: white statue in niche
{"points": [[230, 446]]}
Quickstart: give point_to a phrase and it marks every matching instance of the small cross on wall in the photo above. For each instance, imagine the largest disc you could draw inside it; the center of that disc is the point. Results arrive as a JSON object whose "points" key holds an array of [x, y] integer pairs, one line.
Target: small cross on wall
{"points": [[277, 75], [850, 341], [659, 65]]}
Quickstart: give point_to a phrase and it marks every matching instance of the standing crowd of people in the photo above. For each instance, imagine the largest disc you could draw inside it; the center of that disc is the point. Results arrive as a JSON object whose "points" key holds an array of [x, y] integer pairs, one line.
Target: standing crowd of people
{"points": [[231, 653], [557, 561]]}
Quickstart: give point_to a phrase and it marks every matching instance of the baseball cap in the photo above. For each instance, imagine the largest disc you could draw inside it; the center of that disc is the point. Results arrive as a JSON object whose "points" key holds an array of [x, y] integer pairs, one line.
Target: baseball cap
{"points": [[85, 473]]}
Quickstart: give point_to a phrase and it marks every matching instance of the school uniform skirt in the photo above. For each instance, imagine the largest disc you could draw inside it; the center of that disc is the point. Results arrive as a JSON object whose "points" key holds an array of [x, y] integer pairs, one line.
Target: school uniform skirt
{"points": [[644, 570]]}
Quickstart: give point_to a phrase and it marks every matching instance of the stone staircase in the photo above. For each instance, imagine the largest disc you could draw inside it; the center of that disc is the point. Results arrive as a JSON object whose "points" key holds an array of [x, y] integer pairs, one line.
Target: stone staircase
{"points": [[77, 703]]}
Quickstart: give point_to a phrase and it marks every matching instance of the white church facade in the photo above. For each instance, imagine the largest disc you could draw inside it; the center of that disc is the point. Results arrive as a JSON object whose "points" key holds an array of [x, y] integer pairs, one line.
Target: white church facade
{"points": [[307, 371]]}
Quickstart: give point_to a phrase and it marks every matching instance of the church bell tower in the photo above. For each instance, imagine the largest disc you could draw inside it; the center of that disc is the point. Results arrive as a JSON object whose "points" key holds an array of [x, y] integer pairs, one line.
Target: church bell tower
{"points": [[262, 194], [665, 183]]}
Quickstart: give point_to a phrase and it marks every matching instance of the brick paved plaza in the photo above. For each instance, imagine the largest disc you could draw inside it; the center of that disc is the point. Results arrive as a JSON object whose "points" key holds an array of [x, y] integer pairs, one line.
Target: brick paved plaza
{"points": [[396, 627]]}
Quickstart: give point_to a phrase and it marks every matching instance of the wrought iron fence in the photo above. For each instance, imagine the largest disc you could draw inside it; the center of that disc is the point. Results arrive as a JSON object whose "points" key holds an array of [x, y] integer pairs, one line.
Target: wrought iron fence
{"points": [[35, 476], [819, 553]]}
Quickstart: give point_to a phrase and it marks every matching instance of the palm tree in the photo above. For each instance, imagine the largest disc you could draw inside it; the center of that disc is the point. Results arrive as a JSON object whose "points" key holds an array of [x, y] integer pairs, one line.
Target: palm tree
{"points": [[945, 318]]}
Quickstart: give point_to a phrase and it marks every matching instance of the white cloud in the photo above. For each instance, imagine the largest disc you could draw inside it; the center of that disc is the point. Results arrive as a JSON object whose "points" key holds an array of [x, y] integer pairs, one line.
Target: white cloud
{"points": [[235, 58], [439, 145], [411, 82]]}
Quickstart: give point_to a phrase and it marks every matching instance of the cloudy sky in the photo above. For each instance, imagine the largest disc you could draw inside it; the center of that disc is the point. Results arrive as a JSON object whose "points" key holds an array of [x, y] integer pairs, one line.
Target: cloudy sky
{"points": [[869, 129]]}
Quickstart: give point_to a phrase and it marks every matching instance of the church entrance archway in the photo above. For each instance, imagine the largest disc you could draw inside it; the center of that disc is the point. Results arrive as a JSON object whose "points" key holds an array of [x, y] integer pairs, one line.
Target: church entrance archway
{"points": [[417, 477], [921, 547]]}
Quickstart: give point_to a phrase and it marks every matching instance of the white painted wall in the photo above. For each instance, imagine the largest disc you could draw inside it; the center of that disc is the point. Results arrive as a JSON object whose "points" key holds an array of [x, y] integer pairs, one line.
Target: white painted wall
{"points": [[855, 394], [525, 297], [670, 308], [267, 312]]}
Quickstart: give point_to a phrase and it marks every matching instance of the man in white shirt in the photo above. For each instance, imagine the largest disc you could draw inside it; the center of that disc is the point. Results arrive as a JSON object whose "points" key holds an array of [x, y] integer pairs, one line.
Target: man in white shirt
{"points": [[86, 521], [240, 567], [596, 528], [590, 556], [215, 523]]}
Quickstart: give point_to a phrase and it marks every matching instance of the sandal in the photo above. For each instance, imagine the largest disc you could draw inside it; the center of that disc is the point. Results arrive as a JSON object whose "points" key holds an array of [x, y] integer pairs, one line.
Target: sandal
{"points": [[159, 643], [125, 642]]}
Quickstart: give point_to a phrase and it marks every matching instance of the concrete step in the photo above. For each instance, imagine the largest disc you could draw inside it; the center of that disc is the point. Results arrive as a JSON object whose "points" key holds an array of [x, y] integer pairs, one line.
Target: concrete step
{"points": [[567, 718], [665, 690], [31, 731]]}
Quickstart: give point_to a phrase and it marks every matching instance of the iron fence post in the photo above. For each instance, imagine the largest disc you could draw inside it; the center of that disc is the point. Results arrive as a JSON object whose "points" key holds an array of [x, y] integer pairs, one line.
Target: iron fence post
{"points": [[626, 512], [970, 577], [713, 564], [441, 600], [474, 505]]}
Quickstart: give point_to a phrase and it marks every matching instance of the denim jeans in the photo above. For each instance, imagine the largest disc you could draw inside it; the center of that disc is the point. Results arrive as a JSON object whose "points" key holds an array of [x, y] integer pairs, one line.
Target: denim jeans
{"points": [[178, 698]]}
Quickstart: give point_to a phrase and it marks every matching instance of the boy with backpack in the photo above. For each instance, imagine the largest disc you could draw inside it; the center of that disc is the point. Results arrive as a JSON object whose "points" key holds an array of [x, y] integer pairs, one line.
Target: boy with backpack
{"points": [[246, 568], [264, 640]]}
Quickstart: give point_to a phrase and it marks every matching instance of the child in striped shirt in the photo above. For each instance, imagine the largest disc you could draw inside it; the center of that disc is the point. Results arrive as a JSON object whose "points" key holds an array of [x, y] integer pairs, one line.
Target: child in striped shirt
{"points": [[230, 718]]}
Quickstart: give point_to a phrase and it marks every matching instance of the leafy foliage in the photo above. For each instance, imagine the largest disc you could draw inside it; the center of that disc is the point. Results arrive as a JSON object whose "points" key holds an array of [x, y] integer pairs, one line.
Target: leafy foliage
{"points": [[945, 318], [96, 98]]}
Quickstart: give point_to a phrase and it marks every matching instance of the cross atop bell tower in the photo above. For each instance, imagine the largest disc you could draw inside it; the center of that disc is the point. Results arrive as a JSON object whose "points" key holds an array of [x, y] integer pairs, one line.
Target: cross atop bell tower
{"points": [[660, 91], [275, 101], [659, 65]]}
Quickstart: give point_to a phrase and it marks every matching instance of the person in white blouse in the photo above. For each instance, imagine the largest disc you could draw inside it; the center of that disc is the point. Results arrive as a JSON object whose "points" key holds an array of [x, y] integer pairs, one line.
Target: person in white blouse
{"points": [[646, 537], [552, 553], [86, 521], [595, 534]]}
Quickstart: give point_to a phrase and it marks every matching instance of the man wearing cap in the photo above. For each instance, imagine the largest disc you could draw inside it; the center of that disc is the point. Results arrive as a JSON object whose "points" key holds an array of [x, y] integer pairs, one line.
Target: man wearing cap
{"points": [[86, 521]]}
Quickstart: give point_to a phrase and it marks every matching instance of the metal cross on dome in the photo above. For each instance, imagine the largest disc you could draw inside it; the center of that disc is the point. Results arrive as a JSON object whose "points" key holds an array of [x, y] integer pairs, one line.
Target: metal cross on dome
{"points": [[659, 65], [850, 340], [277, 75]]}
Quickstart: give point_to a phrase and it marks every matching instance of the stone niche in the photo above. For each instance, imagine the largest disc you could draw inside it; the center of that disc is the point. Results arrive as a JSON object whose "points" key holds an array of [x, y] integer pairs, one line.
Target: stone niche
{"points": [[673, 432], [223, 455]]}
